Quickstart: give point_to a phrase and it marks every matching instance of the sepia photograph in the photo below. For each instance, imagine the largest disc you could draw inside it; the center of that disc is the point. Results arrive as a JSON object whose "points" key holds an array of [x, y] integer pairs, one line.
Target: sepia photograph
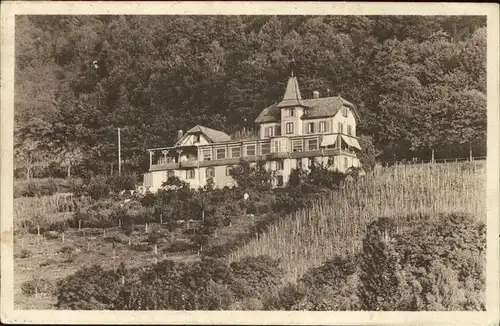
{"points": [[258, 162]]}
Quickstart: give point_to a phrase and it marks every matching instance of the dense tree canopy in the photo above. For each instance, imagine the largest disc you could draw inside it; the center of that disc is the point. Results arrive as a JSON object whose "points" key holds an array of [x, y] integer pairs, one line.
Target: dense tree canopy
{"points": [[419, 82]]}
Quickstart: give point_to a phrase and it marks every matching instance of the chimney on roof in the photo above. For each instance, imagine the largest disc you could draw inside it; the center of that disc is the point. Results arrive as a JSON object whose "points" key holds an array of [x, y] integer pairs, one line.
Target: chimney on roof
{"points": [[179, 134], [315, 94]]}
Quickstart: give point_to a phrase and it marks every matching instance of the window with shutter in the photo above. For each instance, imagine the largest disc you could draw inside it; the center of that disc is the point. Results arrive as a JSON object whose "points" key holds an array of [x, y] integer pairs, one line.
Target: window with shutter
{"points": [[322, 126], [310, 128], [270, 131]]}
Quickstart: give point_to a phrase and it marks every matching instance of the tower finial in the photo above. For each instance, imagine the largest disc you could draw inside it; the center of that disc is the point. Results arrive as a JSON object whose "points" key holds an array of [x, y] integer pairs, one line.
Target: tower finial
{"points": [[292, 72]]}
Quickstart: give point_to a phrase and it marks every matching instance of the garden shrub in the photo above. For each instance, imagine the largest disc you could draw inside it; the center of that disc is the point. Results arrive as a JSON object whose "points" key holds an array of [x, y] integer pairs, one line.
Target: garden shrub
{"points": [[37, 286], [141, 247], [331, 286], [52, 235], [181, 246], [255, 276], [98, 187], [90, 288], [67, 250], [25, 253], [48, 262], [437, 264], [169, 285]]}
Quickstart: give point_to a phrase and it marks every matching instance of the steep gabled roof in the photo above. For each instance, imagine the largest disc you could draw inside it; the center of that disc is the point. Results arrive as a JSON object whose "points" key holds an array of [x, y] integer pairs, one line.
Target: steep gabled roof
{"points": [[212, 135], [316, 108], [269, 114], [327, 107], [292, 95]]}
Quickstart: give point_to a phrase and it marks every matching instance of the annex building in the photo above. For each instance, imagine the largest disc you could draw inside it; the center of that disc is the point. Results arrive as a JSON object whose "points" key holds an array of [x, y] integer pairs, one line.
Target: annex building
{"points": [[293, 133]]}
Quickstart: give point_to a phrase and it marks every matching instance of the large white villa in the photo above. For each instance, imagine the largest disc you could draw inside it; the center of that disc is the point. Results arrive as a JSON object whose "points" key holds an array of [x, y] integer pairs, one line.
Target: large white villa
{"points": [[293, 133]]}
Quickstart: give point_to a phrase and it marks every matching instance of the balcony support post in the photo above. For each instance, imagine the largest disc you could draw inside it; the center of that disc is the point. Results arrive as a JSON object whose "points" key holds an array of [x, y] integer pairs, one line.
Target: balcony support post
{"points": [[150, 159]]}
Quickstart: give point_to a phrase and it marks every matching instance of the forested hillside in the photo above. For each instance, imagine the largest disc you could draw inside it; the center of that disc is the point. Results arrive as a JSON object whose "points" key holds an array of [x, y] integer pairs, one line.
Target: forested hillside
{"points": [[419, 82]]}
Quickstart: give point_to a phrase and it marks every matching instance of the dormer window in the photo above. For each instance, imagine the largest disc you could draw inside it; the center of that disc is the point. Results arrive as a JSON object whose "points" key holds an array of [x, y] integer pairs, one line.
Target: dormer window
{"points": [[345, 111], [196, 138]]}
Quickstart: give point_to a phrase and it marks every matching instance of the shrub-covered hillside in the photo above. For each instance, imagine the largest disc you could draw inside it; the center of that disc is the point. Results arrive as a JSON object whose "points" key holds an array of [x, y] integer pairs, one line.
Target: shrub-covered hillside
{"points": [[419, 82]]}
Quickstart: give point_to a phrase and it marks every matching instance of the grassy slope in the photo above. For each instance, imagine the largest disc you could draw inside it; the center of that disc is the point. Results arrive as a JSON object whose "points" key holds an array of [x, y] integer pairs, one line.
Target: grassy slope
{"points": [[337, 222]]}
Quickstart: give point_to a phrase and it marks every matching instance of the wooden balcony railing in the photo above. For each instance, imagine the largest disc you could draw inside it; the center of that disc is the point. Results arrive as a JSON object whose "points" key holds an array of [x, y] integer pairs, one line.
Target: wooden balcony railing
{"points": [[255, 158]]}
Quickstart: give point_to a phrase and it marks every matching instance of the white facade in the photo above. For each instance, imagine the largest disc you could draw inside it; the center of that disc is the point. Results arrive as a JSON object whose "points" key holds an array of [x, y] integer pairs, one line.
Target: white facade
{"points": [[292, 134]]}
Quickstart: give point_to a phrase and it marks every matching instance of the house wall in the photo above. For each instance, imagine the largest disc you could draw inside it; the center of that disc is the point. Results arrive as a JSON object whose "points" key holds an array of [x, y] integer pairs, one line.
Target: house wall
{"points": [[189, 140], [155, 179], [328, 125], [263, 126], [296, 119], [349, 120]]}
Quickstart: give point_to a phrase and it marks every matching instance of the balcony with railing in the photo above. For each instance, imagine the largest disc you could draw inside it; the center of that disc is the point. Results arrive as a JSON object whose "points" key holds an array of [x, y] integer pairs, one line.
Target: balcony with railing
{"points": [[232, 152]]}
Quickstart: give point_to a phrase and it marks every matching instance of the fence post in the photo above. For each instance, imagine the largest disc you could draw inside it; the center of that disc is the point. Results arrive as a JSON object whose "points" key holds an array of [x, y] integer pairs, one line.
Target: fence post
{"points": [[79, 225], [62, 237], [161, 218]]}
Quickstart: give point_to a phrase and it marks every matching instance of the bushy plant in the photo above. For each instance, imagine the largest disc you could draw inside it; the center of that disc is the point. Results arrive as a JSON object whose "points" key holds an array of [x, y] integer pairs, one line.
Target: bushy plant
{"points": [[437, 264], [67, 250], [25, 253], [98, 187], [90, 288], [369, 153], [169, 285], [126, 181], [380, 269], [255, 276], [37, 286], [331, 286], [181, 246]]}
